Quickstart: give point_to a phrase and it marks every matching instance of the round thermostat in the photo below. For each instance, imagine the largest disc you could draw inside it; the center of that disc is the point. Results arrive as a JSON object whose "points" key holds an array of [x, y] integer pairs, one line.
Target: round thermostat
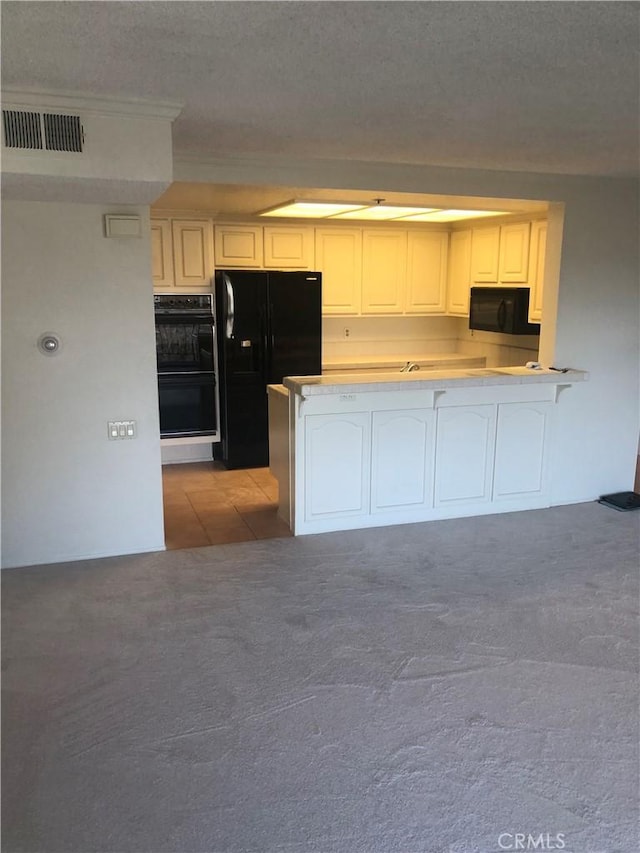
{"points": [[49, 344]]}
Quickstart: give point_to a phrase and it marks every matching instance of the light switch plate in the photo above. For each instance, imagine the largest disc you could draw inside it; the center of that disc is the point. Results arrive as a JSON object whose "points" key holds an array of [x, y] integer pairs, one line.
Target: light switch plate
{"points": [[120, 430]]}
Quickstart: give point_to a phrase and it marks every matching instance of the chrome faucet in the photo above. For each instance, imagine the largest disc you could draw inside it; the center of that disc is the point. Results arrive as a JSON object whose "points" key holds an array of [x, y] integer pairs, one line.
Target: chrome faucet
{"points": [[409, 367]]}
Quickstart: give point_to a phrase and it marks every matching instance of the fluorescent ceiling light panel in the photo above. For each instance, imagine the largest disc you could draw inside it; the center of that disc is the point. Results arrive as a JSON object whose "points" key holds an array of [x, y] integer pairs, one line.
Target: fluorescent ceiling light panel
{"points": [[452, 215], [381, 212], [310, 209]]}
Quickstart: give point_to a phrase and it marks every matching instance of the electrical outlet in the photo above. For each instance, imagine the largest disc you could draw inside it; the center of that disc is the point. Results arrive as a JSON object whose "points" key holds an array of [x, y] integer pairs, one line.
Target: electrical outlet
{"points": [[119, 430], [346, 331]]}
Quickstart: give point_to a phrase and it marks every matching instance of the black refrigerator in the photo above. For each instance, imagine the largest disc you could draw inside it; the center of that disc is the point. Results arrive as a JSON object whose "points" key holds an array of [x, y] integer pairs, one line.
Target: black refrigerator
{"points": [[269, 325]]}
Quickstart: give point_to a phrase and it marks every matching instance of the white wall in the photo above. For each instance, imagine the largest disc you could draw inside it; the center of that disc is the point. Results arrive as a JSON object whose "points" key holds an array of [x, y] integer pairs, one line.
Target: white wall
{"points": [[68, 492], [597, 329]]}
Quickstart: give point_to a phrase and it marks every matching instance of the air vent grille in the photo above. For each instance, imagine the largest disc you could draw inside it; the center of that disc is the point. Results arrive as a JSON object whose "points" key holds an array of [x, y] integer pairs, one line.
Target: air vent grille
{"points": [[21, 129], [35, 131], [62, 133]]}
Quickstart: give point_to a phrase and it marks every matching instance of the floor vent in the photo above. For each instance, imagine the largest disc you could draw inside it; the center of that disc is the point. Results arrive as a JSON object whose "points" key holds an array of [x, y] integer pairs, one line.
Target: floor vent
{"points": [[38, 131]]}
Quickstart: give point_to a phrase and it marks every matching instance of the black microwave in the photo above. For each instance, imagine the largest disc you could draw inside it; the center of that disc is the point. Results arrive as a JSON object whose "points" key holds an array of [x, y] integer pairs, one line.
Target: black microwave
{"points": [[501, 309]]}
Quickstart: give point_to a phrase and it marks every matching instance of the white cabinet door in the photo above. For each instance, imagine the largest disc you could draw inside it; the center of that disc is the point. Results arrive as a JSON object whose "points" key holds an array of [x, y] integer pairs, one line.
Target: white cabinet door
{"points": [[339, 259], [192, 252], [514, 253], [521, 440], [485, 244], [465, 437], [288, 247], [536, 270], [161, 253], [384, 271], [238, 246], [426, 272], [459, 282], [337, 464], [402, 460]]}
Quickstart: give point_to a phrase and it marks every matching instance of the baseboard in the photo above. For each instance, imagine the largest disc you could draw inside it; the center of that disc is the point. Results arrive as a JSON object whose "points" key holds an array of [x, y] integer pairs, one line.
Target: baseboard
{"points": [[75, 558]]}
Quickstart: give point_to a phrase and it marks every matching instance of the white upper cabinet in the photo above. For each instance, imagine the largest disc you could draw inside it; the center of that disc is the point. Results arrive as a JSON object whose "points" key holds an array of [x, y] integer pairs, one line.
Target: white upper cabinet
{"points": [[536, 270], [238, 246], [459, 273], [288, 247], [161, 253], [338, 256], [426, 287], [485, 243], [384, 271], [513, 266], [192, 252]]}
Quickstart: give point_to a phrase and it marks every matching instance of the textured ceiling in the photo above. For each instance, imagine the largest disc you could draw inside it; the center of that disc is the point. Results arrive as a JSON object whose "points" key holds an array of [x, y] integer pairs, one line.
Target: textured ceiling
{"points": [[548, 87]]}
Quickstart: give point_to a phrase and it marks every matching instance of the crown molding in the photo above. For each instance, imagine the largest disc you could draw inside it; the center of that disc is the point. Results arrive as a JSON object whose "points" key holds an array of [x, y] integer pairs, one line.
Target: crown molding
{"points": [[90, 104]]}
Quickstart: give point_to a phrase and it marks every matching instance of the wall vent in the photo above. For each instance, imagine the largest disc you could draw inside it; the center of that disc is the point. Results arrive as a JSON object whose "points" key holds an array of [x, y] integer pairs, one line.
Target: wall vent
{"points": [[38, 131]]}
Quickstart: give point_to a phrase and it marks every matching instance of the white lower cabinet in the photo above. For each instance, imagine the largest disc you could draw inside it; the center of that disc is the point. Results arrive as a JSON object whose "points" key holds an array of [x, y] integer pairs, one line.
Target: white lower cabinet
{"points": [[465, 437], [367, 459], [402, 460], [521, 438], [337, 463]]}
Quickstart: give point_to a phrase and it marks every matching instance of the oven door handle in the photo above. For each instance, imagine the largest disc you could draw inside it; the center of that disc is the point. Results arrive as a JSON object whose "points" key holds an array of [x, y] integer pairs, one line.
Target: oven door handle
{"points": [[203, 373]]}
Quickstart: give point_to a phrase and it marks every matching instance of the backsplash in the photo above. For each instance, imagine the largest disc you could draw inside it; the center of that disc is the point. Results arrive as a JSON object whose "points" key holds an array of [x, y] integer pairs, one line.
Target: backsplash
{"points": [[413, 336], [388, 336], [499, 350]]}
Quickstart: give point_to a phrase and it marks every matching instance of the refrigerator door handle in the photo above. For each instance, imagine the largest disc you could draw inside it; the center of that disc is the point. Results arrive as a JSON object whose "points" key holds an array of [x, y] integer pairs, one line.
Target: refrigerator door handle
{"points": [[230, 313]]}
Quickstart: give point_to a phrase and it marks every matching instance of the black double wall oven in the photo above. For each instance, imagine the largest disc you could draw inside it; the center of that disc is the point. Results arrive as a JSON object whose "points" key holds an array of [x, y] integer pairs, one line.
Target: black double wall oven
{"points": [[186, 355]]}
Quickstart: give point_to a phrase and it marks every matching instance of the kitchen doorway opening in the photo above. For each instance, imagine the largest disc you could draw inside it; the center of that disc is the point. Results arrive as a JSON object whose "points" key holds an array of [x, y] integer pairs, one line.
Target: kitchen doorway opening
{"points": [[205, 504]]}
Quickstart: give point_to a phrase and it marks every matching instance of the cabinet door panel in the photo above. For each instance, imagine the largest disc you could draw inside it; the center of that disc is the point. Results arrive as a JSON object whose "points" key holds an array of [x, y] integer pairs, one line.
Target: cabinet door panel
{"points": [[485, 244], [384, 265], [192, 253], [514, 252], [288, 248], [402, 460], [459, 285], [464, 454], [536, 270], [238, 246], [521, 439], [426, 272], [337, 456], [161, 253], [339, 259]]}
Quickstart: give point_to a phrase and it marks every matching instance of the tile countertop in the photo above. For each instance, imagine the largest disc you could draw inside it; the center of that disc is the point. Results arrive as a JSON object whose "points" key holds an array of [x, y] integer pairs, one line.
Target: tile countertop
{"points": [[435, 380], [373, 362]]}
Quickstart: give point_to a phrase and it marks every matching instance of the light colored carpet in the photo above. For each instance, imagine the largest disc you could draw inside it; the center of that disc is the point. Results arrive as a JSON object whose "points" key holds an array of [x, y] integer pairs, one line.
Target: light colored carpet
{"points": [[425, 688]]}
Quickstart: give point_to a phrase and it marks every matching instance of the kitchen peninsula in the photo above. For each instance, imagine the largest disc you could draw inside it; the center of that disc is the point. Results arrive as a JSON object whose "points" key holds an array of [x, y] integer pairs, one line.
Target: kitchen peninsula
{"points": [[360, 450]]}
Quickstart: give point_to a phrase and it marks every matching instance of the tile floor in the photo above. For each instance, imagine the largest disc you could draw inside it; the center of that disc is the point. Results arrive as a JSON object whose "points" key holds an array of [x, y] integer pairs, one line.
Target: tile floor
{"points": [[204, 504]]}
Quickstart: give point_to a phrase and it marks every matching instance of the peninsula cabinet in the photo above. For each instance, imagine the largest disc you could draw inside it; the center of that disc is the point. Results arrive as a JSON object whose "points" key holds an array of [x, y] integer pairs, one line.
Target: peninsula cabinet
{"points": [[338, 256], [377, 451], [402, 479], [426, 277], [464, 445], [518, 474], [337, 452]]}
